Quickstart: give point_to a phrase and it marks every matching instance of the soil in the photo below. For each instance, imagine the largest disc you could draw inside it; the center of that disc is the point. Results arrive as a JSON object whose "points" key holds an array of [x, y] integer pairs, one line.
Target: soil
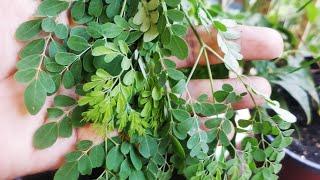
{"points": [[306, 142]]}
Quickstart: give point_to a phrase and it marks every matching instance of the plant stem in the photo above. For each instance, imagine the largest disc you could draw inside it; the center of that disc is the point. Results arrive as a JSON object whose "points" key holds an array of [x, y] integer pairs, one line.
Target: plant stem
{"points": [[123, 8], [194, 66], [209, 71]]}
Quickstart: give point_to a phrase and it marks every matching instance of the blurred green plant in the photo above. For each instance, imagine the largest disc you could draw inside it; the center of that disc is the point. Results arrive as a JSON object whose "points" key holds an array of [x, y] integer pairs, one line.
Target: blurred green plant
{"points": [[298, 22]]}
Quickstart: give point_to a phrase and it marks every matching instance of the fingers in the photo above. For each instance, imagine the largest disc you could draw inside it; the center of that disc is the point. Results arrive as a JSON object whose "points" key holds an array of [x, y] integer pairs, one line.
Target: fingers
{"points": [[18, 11], [17, 129], [15, 13], [52, 158], [89, 133], [257, 43], [198, 87]]}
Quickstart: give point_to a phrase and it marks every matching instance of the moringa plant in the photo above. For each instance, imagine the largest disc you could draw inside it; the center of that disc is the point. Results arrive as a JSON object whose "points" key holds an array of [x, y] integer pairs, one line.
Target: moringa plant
{"points": [[117, 56]]}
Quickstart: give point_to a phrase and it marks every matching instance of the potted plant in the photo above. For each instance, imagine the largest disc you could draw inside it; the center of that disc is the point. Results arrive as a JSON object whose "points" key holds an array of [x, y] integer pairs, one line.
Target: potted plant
{"points": [[294, 77], [117, 56]]}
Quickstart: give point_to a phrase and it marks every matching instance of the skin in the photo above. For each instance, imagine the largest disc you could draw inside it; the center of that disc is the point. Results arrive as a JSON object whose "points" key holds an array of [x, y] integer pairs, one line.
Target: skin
{"points": [[18, 157]]}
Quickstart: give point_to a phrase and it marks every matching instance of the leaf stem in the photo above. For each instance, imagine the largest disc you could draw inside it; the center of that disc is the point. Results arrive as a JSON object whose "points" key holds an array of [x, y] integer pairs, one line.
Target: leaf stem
{"points": [[106, 149], [123, 8], [194, 66], [209, 71], [43, 54]]}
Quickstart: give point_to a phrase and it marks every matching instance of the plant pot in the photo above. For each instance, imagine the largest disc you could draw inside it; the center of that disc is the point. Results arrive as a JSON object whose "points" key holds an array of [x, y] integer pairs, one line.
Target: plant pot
{"points": [[302, 159], [296, 168]]}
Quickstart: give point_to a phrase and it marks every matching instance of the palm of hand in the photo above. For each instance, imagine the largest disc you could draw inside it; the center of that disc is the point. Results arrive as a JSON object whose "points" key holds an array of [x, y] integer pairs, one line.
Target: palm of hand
{"points": [[17, 155]]}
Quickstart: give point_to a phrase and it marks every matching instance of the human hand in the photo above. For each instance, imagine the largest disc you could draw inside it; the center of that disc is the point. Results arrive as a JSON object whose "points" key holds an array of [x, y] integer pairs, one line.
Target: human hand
{"points": [[18, 157]]}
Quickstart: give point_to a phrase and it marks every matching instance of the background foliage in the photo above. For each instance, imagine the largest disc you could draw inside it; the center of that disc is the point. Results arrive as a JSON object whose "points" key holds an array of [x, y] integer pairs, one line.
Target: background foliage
{"points": [[116, 57]]}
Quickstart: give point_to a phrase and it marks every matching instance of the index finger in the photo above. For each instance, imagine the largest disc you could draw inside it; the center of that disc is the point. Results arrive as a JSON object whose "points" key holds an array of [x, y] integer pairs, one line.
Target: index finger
{"points": [[11, 17], [257, 43]]}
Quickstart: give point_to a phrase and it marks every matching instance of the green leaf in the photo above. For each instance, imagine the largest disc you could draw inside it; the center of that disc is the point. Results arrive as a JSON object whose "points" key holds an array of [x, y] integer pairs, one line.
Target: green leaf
{"points": [[166, 37], [114, 158], [128, 79], [213, 123], [67, 171], [185, 126], [244, 123], [175, 74], [25, 76], [47, 82], [125, 169], [61, 31], [48, 25], [153, 4], [65, 127], [77, 43], [133, 37], [177, 147], [173, 3], [28, 30], [45, 136], [220, 96], [304, 5], [64, 101], [52, 7], [34, 97], [78, 10], [223, 138], [146, 110], [180, 114], [178, 47], [65, 58], [179, 30], [175, 15], [312, 12], [227, 126], [259, 155], [126, 63], [95, 8], [55, 47], [137, 175], [97, 156], [54, 113], [148, 146], [140, 16], [111, 30], [29, 62], [209, 109], [136, 161], [227, 88], [124, 48], [125, 148], [203, 98], [218, 25], [52, 66], [84, 145], [84, 165], [121, 22], [113, 8], [156, 93], [34, 47], [151, 34], [73, 156], [180, 87], [76, 116], [68, 80], [102, 50]]}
